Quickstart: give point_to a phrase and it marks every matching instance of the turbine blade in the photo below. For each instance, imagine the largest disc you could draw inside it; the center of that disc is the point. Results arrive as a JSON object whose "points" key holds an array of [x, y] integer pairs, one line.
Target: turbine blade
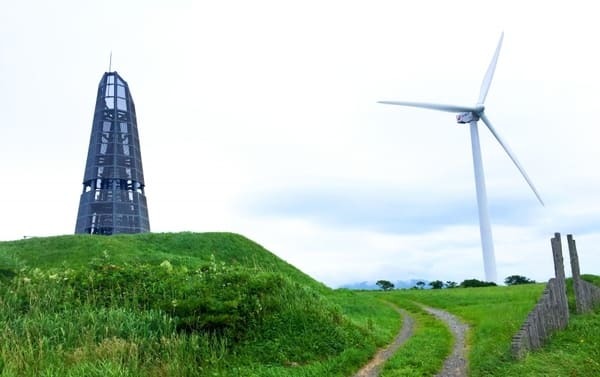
{"points": [[436, 106], [487, 79], [487, 122]]}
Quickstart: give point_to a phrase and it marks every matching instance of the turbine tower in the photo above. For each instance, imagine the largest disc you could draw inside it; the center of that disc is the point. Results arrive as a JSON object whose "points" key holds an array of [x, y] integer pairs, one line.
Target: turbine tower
{"points": [[471, 115], [113, 199]]}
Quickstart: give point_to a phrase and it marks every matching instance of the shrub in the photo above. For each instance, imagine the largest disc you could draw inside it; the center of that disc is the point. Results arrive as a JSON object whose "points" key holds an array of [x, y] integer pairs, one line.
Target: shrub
{"points": [[386, 285], [474, 283], [517, 279]]}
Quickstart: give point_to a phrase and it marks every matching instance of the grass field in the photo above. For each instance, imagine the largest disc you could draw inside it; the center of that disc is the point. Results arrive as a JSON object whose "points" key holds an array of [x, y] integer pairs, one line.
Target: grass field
{"points": [[494, 315], [218, 304], [175, 305]]}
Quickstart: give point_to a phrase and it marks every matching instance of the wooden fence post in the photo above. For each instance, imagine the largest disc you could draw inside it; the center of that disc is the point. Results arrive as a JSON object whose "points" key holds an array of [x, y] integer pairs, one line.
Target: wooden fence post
{"points": [[559, 271], [580, 301]]}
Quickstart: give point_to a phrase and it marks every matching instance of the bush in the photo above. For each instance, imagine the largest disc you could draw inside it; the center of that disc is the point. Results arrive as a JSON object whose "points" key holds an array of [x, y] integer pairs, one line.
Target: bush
{"points": [[517, 279], [386, 285], [474, 283]]}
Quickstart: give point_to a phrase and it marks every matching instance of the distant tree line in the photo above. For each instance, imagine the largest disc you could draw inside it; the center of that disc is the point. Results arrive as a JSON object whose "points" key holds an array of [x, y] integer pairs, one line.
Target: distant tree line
{"points": [[386, 285], [469, 283]]}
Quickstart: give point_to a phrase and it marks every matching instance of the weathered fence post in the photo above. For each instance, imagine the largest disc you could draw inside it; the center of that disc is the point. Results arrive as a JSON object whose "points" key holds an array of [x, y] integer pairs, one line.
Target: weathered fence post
{"points": [[587, 295], [559, 272], [580, 301]]}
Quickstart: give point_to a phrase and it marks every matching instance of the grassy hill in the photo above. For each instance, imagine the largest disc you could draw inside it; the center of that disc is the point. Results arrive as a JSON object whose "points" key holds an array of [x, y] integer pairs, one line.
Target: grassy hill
{"points": [[218, 304], [180, 304], [181, 249]]}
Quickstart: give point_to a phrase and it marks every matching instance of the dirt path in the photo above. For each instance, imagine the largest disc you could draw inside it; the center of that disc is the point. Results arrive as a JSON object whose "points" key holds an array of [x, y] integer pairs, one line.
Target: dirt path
{"points": [[455, 364], [373, 367]]}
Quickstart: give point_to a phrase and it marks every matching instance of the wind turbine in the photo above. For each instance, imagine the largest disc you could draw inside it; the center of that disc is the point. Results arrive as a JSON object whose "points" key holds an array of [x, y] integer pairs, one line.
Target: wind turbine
{"points": [[470, 115]]}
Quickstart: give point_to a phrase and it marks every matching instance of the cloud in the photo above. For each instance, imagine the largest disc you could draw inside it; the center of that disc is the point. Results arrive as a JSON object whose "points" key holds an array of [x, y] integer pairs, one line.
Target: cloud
{"points": [[385, 210], [339, 255]]}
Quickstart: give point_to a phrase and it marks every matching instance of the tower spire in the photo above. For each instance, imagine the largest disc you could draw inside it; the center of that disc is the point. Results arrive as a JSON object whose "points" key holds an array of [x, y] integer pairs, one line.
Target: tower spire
{"points": [[110, 61]]}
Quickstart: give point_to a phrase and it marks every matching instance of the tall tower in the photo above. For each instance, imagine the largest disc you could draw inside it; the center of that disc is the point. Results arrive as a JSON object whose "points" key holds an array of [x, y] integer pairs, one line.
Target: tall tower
{"points": [[113, 199]]}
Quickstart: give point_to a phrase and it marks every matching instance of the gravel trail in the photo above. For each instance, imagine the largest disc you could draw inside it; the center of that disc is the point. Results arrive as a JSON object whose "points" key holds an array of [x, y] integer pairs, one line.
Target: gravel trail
{"points": [[455, 364], [373, 367]]}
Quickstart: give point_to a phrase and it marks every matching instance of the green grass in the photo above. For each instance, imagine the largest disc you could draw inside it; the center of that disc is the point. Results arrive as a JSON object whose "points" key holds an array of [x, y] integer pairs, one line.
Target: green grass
{"points": [[218, 304], [424, 353], [573, 352], [186, 249], [370, 312], [182, 304], [494, 314]]}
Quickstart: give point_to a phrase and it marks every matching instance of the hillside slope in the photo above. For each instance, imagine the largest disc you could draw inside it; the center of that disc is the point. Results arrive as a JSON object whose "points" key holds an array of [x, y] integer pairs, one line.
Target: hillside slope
{"points": [[181, 304], [185, 248]]}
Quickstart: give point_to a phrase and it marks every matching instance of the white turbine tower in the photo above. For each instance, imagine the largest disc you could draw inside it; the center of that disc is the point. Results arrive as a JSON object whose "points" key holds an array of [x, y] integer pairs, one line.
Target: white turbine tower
{"points": [[471, 114]]}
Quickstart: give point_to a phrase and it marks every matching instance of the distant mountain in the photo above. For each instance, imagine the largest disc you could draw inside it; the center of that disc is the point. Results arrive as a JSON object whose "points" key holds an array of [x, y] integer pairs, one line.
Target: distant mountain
{"points": [[398, 284]]}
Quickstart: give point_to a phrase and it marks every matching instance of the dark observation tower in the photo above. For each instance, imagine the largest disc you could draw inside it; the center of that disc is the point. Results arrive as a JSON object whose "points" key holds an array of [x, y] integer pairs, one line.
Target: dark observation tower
{"points": [[113, 199]]}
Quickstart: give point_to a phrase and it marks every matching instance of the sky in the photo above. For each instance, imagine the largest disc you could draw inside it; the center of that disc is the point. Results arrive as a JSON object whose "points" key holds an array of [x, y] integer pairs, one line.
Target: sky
{"points": [[261, 118]]}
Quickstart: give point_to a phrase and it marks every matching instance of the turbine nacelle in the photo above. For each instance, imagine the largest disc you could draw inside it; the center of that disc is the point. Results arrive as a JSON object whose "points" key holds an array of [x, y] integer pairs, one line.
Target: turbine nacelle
{"points": [[467, 117]]}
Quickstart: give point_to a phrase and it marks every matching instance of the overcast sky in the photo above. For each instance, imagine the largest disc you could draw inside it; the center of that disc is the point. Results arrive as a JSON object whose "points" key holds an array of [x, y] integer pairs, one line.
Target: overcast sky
{"points": [[260, 118]]}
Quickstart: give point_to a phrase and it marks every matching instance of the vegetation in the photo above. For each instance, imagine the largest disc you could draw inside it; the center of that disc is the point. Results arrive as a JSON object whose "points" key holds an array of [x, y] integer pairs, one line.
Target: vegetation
{"points": [[474, 283], [175, 305], [574, 352], [436, 284], [424, 352], [181, 249], [385, 285], [220, 305], [494, 314], [517, 279]]}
